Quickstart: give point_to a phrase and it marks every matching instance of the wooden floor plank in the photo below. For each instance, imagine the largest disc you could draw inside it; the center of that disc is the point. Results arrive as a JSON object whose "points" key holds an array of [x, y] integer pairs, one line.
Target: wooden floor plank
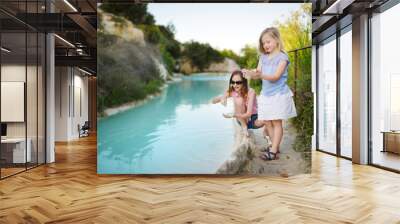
{"points": [[70, 191]]}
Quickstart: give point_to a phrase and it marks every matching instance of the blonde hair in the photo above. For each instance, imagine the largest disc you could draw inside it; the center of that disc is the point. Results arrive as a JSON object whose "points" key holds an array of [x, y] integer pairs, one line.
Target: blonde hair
{"points": [[274, 33]]}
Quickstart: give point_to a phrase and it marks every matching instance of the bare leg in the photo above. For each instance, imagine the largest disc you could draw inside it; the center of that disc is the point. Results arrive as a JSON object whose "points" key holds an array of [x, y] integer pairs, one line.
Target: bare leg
{"points": [[240, 109], [277, 135], [243, 124], [268, 130], [259, 123]]}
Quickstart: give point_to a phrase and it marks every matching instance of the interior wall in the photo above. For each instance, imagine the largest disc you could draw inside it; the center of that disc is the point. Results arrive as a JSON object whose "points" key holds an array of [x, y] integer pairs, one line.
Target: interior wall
{"points": [[314, 91], [92, 96], [71, 102], [12, 73], [62, 80]]}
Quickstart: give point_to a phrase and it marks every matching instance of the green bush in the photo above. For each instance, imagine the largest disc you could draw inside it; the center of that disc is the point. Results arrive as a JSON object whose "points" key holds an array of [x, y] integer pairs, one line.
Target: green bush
{"points": [[201, 55], [226, 53], [249, 60], [168, 60], [151, 33], [256, 84], [297, 34], [126, 71], [304, 101], [120, 21], [153, 86], [164, 40], [163, 37]]}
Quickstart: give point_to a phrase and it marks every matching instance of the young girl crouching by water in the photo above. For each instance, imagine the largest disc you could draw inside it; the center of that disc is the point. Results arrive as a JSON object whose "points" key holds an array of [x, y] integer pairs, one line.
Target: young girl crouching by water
{"points": [[276, 99], [244, 100]]}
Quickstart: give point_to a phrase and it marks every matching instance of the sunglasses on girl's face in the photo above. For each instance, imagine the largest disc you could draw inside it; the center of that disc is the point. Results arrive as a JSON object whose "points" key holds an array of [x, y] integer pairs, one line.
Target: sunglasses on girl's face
{"points": [[237, 83]]}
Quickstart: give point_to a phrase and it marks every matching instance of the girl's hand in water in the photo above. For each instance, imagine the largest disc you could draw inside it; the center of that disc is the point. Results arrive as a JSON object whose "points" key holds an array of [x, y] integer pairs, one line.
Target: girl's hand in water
{"points": [[224, 101], [228, 115]]}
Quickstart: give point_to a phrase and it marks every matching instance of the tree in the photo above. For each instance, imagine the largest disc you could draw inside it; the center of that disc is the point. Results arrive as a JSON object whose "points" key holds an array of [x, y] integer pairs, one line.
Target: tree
{"points": [[296, 30], [296, 34], [230, 54], [201, 55], [249, 58]]}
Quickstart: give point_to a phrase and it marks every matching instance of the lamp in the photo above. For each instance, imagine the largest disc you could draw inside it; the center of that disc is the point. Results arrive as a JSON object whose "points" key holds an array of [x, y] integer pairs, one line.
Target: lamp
{"points": [[84, 71], [337, 7], [5, 49], [64, 40], [70, 5]]}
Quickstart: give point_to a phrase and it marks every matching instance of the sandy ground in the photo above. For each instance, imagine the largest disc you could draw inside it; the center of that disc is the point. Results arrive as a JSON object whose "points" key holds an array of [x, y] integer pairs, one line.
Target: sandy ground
{"points": [[246, 158]]}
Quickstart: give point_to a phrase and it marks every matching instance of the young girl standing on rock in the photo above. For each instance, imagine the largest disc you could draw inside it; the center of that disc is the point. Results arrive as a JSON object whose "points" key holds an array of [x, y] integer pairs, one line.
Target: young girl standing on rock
{"points": [[275, 102]]}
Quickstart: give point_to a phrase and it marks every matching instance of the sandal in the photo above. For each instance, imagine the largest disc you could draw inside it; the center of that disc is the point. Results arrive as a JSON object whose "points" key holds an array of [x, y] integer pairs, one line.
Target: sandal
{"points": [[269, 156], [267, 149]]}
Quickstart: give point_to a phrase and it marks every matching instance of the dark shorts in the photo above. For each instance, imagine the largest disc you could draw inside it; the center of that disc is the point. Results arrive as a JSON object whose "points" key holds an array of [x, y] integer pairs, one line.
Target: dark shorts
{"points": [[251, 122]]}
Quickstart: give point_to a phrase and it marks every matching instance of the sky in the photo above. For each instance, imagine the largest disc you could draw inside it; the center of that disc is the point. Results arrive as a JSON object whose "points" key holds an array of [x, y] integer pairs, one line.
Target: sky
{"points": [[222, 25]]}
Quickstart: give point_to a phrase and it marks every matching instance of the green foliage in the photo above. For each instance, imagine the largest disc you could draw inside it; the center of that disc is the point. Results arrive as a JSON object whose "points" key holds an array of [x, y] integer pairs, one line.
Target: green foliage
{"points": [[296, 30], [126, 71], [249, 57], [201, 55], [173, 47], [226, 53], [164, 38], [296, 34], [256, 84], [168, 31], [136, 13], [151, 33], [152, 86], [169, 47], [168, 60], [301, 84], [119, 20]]}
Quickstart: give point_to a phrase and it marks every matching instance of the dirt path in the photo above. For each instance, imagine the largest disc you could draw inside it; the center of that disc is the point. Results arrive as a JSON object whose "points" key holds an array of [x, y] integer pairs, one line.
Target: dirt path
{"points": [[246, 158]]}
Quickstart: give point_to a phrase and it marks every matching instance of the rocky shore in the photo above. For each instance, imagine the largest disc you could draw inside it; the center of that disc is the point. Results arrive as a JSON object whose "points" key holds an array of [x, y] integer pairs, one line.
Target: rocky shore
{"points": [[246, 157], [126, 106]]}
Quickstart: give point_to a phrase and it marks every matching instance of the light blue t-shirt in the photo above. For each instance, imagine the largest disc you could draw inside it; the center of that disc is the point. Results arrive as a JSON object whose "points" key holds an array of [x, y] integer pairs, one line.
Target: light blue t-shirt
{"points": [[268, 67]]}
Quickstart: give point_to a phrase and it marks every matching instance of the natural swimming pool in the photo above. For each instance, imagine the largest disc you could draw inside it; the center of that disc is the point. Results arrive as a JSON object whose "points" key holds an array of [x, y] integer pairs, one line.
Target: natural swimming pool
{"points": [[178, 132]]}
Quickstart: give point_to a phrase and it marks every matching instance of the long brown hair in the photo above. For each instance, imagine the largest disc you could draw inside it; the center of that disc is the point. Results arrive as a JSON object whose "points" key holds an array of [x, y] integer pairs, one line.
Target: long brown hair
{"points": [[245, 86]]}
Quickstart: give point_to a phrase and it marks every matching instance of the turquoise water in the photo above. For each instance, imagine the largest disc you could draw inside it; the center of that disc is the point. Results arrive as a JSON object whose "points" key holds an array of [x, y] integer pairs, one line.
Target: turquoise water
{"points": [[179, 132]]}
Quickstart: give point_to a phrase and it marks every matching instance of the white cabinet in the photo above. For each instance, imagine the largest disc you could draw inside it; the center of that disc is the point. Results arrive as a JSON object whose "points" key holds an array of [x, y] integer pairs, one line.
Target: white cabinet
{"points": [[18, 149]]}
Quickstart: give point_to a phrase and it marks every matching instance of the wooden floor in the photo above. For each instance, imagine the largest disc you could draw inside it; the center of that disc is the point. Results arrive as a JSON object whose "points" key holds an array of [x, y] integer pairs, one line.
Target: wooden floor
{"points": [[10, 171], [387, 159], [70, 191]]}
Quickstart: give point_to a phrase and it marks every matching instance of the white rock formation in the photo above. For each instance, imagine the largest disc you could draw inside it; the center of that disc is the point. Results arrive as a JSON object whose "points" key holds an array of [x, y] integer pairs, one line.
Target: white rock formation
{"points": [[123, 28]]}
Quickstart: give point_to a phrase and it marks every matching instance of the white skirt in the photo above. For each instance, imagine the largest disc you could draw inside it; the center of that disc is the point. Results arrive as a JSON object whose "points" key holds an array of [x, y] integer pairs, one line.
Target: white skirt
{"points": [[276, 107]]}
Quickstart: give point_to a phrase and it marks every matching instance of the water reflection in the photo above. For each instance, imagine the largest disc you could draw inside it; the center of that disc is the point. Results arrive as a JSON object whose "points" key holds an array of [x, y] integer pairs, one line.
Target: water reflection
{"points": [[178, 132]]}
